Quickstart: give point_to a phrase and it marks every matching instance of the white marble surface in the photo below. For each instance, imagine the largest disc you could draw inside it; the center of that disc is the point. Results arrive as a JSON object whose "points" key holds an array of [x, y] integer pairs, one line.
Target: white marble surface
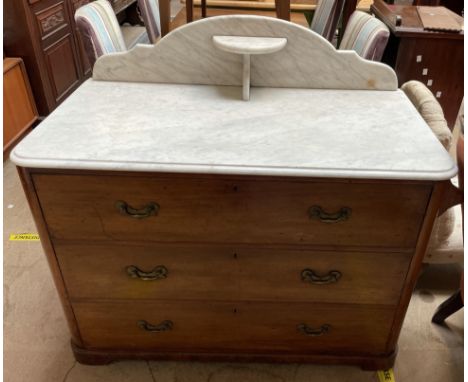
{"points": [[187, 56], [249, 45], [208, 129]]}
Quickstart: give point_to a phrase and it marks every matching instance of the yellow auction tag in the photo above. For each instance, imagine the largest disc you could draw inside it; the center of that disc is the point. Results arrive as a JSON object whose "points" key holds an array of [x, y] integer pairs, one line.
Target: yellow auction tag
{"points": [[386, 375], [24, 237]]}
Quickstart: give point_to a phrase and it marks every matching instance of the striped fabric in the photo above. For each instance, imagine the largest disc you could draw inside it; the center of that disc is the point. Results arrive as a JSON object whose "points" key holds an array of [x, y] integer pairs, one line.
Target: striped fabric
{"points": [[366, 35], [100, 29], [323, 18], [150, 12]]}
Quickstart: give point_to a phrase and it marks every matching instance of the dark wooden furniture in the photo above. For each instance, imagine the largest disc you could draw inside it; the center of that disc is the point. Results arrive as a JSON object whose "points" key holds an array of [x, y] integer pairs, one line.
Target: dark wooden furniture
{"points": [[434, 58], [19, 109], [43, 33], [454, 5]]}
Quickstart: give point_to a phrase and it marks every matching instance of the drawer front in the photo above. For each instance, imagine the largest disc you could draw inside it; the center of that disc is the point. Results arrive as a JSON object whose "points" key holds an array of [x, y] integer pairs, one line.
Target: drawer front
{"points": [[231, 211], [229, 273], [224, 326]]}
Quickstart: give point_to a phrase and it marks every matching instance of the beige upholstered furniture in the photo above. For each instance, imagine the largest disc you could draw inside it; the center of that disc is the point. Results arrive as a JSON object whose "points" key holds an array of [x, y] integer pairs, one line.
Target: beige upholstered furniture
{"points": [[446, 243]]}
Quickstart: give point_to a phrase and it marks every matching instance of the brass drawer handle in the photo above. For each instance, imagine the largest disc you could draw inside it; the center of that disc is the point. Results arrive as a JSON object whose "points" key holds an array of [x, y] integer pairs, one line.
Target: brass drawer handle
{"points": [[159, 272], [313, 332], [308, 275], [162, 327], [149, 210], [316, 212]]}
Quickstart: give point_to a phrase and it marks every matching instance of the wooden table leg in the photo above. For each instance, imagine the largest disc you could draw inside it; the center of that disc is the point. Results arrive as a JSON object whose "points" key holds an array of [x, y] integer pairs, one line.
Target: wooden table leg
{"points": [[164, 16], [203, 8], [283, 9], [189, 10]]}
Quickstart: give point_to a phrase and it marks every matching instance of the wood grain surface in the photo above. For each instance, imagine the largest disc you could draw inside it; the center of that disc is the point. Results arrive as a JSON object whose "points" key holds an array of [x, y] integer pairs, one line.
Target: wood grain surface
{"points": [[222, 326], [200, 272], [227, 211]]}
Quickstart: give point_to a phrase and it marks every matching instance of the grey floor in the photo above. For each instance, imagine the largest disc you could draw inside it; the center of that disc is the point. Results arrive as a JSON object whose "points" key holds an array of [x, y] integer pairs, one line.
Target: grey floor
{"points": [[36, 338]]}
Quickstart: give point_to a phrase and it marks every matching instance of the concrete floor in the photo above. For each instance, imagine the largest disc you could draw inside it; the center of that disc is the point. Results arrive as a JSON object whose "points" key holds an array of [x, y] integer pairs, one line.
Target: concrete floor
{"points": [[36, 338]]}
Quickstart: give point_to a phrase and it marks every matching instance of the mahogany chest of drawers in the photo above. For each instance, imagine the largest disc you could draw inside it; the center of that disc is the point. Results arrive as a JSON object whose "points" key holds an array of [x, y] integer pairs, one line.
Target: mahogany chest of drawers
{"points": [[290, 227], [232, 267]]}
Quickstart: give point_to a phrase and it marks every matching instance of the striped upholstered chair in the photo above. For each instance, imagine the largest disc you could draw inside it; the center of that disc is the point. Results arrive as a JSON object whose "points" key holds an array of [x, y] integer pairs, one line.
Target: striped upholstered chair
{"points": [[101, 32], [149, 10], [326, 17], [366, 35]]}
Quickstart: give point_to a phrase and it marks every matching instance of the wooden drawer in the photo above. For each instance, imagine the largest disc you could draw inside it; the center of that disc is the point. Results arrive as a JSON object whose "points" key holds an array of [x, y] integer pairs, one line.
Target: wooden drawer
{"points": [[225, 326], [228, 273], [227, 210]]}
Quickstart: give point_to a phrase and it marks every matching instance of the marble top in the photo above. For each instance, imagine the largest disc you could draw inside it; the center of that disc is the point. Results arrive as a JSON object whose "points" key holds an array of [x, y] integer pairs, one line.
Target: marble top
{"points": [[209, 129]]}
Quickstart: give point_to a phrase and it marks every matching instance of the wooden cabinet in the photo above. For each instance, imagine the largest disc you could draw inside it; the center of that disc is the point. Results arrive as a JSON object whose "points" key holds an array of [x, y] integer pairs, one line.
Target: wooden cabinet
{"points": [[19, 109], [434, 58], [43, 33]]}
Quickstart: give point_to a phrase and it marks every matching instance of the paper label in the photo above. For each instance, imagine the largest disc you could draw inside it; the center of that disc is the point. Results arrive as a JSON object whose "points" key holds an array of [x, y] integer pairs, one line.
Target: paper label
{"points": [[386, 375], [24, 237]]}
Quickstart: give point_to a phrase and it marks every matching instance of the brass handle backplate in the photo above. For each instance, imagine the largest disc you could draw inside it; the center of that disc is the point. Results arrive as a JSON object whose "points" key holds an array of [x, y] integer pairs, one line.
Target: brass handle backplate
{"points": [[313, 332], [162, 327], [309, 275], [317, 212], [150, 209], [159, 272]]}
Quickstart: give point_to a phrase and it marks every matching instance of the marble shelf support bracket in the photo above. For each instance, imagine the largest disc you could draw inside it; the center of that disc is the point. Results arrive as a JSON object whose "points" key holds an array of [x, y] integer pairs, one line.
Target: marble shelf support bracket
{"points": [[247, 46], [246, 78]]}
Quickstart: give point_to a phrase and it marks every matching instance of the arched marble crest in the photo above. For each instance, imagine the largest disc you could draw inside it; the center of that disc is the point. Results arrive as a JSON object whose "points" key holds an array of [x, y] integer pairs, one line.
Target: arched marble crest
{"points": [[187, 55]]}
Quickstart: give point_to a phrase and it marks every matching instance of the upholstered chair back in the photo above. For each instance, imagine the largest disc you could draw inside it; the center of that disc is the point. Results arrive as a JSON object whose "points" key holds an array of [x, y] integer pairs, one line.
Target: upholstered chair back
{"points": [[366, 35], [99, 29], [442, 241], [326, 17], [150, 12]]}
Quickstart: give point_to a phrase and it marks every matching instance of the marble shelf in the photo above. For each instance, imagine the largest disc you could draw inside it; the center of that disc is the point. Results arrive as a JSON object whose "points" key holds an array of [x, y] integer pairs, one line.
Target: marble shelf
{"points": [[247, 46]]}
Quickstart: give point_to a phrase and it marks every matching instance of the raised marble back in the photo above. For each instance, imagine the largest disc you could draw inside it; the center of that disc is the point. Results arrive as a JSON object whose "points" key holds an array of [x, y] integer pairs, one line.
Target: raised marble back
{"points": [[188, 55]]}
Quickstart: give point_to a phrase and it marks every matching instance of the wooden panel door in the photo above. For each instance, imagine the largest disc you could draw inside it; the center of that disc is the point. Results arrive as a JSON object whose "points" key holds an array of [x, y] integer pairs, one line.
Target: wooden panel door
{"points": [[62, 67]]}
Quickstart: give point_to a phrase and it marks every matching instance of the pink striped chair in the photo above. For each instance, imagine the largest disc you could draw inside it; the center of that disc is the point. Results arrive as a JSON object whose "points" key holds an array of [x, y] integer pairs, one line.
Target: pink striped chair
{"points": [[149, 10], [101, 32], [326, 18], [366, 35]]}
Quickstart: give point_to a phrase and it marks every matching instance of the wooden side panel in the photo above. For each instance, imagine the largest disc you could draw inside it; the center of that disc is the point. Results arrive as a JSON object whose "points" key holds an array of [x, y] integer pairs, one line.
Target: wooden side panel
{"points": [[50, 254], [415, 266], [19, 109]]}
